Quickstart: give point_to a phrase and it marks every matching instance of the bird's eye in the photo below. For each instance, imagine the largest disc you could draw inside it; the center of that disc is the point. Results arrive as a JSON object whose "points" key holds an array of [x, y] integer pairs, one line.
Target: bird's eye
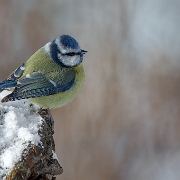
{"points": [[71, 54]]}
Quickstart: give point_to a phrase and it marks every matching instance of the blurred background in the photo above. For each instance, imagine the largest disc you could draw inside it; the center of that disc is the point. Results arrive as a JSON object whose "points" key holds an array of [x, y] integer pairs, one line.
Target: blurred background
{"points": [[125, 122]]}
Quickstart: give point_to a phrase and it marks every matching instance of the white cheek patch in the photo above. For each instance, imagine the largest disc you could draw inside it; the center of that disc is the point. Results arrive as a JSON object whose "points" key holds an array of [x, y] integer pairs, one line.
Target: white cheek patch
{"points": [[70, 60], [73, 60]]}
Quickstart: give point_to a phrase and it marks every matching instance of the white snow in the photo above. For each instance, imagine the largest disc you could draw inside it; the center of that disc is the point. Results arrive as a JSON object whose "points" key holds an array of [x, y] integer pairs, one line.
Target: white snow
{"points": [[19, 125]]}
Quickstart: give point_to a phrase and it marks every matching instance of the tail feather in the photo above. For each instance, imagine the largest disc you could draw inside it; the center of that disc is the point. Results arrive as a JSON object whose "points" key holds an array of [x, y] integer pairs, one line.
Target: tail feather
{"points": [[7, 84]]}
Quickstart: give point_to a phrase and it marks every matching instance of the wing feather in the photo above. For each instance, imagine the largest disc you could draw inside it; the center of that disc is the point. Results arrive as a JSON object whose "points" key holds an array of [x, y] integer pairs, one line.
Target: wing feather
{"points": [[36, 85]]}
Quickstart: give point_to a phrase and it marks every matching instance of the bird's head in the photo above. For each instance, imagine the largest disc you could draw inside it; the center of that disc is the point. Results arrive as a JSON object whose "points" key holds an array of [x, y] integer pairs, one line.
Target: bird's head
{"points": [[65, 51]]}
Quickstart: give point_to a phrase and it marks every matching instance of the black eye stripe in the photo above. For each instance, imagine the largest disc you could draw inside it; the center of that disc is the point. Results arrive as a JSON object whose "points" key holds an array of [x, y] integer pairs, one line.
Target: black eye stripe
{"points": [[72, 53]]}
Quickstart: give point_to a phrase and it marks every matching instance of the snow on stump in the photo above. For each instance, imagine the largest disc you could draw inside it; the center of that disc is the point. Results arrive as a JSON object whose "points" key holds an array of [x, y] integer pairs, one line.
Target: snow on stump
{"points": [[27, 149]]}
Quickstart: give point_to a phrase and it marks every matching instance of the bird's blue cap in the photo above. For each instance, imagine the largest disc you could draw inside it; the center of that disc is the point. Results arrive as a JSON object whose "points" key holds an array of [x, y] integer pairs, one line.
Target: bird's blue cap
{"points": [[68, 42]]}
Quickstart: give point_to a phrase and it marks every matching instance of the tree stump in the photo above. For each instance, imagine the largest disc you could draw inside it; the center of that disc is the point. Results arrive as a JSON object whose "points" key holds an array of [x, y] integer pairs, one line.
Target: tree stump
{"points": [[27, 148]]}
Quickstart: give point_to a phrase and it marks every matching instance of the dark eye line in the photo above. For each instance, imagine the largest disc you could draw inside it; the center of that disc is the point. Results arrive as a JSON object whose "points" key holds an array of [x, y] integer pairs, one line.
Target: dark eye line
{"points": [[73, 53]]}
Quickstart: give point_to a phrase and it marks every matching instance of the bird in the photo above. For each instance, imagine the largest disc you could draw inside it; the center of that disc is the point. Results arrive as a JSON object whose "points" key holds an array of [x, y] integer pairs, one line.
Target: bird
{"points": [[51, 77]]}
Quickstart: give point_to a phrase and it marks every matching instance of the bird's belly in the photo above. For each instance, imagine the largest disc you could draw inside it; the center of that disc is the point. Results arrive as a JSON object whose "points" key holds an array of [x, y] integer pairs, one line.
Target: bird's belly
{"points": [[53, 101]]}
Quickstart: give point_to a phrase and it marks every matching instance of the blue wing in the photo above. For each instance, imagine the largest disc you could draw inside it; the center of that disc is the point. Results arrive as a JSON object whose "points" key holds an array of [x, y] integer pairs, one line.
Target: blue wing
{"points": [[7, 84], [36, 85]]}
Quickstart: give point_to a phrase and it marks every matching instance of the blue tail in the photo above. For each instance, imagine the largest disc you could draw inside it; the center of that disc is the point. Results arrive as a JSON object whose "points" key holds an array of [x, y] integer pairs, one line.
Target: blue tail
{"points": [[7, 84]]}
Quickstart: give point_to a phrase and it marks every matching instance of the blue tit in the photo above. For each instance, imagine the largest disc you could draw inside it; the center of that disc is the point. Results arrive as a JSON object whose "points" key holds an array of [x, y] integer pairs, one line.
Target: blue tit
{"points": [[51, 77]]}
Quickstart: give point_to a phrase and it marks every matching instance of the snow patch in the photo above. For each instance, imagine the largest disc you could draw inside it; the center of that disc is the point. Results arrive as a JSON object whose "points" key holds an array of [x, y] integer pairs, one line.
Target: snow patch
{"points": [[19, 125]]}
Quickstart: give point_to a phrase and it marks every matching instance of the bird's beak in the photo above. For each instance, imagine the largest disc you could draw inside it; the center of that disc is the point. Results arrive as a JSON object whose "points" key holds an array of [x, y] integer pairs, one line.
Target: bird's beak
{"points": [[83, 51]]}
